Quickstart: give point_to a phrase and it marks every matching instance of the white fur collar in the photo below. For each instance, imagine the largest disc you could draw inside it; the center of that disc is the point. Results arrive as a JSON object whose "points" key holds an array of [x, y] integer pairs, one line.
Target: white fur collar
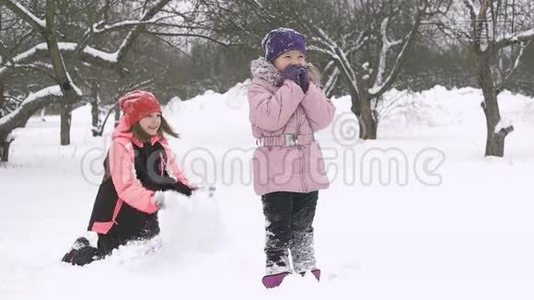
{"points": [[261, 68]]}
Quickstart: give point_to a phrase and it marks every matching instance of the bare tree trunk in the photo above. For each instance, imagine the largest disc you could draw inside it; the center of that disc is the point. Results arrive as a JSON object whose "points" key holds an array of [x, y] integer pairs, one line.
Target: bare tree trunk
{"points": [[2, 98], [94, 110], [43, 114], [494, 140], [117, 115], [60, 71], [113, 110], [5, 142], [366, 118], [66, 117]]}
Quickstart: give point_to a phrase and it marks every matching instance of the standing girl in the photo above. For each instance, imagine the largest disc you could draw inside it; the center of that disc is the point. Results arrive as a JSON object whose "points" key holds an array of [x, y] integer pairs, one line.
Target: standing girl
{"points": [[138, 168], [286, 108]]}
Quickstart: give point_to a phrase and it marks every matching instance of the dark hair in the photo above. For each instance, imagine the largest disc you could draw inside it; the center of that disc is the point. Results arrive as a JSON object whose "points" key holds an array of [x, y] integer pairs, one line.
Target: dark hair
{"points": [[163, 130]]}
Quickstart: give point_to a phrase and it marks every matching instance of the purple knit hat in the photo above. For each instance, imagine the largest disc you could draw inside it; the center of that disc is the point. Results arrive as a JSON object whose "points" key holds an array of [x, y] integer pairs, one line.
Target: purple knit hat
{"points": [[281, 40]]}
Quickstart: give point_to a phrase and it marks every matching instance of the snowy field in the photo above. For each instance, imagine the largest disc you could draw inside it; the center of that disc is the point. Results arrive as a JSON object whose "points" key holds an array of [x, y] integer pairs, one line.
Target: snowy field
{"points": [[442, 223]]}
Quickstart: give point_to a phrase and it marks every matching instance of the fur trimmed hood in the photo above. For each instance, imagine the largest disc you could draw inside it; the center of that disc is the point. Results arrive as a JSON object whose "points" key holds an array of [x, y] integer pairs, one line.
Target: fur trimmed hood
{"points": [[261, 68]]}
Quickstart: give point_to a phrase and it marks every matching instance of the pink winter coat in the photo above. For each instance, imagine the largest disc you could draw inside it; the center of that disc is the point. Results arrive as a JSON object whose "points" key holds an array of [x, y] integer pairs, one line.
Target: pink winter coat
{"points": [[279, 107]]}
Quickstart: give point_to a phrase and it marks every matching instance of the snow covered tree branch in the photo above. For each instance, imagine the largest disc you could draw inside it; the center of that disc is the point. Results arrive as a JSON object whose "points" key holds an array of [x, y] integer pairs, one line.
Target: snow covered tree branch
{"points": [[368, 81], [359, 43], [31, 103], [134, 33], [517, 62], [366, 54], [516, 38], [382, 85], [331, 82], [488, 41], [61, 54], [26, 15], [18, 117], [472, 12]]}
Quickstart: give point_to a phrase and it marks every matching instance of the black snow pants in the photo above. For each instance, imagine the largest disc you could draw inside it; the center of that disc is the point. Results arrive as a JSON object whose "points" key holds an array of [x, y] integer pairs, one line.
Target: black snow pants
{"points": [[289, 217]]}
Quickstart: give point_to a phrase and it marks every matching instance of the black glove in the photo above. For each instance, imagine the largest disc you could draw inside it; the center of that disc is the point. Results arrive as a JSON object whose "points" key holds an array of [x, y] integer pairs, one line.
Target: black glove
{"points": [[183, 189], [160, 183]]}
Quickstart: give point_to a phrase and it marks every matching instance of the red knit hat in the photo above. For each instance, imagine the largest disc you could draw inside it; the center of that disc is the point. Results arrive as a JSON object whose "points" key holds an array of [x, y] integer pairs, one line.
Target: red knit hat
{"points": [[137, 105]]}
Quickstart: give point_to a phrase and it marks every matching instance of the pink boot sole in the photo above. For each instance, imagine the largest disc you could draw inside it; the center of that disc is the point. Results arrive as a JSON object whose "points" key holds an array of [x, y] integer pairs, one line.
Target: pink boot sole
{"points": [[274, 280], [317, 274]]}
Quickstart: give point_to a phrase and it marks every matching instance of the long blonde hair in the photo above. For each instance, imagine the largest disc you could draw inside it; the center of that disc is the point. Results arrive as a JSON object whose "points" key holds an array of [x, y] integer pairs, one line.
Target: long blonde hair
{"points": [[315, 74]]}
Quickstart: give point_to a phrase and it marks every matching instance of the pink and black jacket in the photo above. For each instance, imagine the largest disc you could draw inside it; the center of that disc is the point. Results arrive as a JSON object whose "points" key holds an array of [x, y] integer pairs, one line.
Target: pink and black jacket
{"points": [[125, 204]]}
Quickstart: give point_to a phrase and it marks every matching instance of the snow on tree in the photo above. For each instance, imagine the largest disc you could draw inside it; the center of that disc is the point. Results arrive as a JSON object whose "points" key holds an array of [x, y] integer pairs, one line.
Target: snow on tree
{"points": [[500, 32], [58, 41], [19, 116], [364, 42]]}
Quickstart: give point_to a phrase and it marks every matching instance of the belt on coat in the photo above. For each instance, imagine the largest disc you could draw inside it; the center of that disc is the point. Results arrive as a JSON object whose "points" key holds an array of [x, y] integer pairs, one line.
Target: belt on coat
{"points": [[286, 140]]}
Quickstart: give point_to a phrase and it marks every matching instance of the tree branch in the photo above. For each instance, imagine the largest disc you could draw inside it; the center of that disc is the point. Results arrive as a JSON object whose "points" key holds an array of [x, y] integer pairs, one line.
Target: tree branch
{"points": [[134, 33], [382, 58], [25, 14], [32, 103], [359, 43], [331, 82], [60, 70], [378, 90], [472, 11], [499, 86], [516, 38], [212, 39]]}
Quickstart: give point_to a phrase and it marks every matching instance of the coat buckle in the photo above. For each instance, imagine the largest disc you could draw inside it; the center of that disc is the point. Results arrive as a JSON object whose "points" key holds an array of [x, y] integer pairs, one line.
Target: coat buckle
{"points": [[259, 142], [291, 139]]}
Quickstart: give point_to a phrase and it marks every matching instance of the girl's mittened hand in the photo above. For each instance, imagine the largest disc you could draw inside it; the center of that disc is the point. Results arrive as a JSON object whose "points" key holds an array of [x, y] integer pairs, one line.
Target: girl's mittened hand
{"points": [[304, 79], [183, 189], [292, 73]]}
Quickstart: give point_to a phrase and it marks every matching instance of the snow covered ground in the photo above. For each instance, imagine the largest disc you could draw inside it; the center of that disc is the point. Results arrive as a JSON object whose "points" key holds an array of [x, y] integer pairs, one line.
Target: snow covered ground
{"points": [[441, 222]]}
